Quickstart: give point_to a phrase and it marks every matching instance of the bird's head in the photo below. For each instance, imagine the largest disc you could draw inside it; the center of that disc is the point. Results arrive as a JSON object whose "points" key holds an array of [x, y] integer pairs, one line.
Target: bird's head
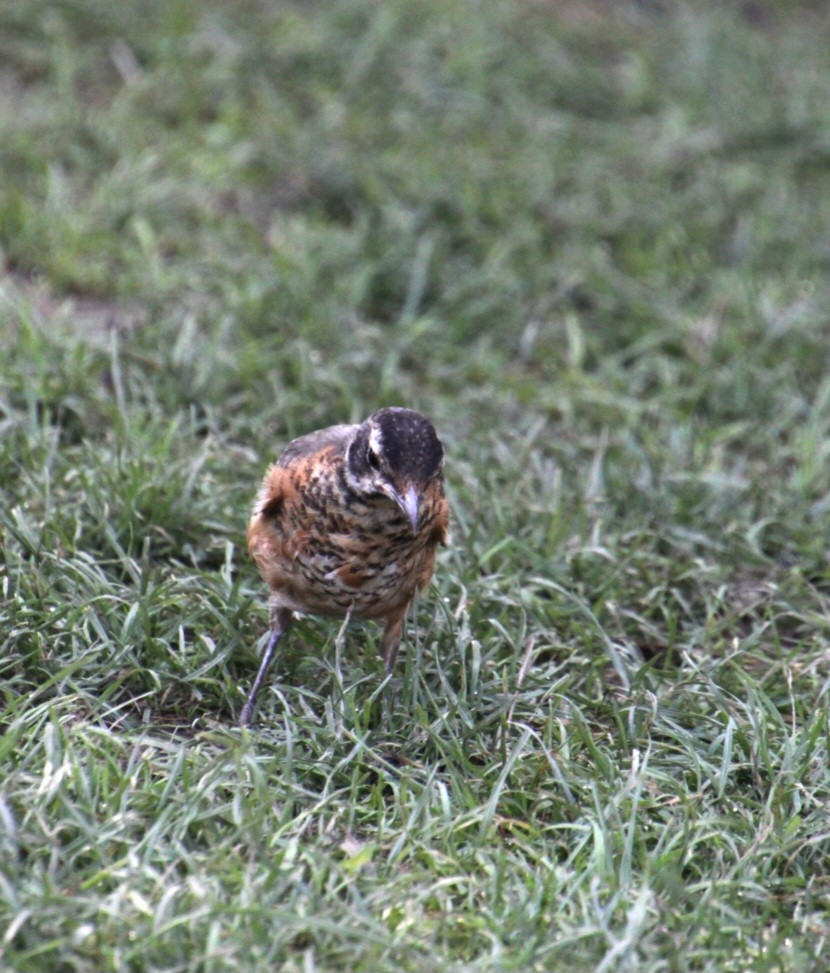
{"points": [[395, 453]]}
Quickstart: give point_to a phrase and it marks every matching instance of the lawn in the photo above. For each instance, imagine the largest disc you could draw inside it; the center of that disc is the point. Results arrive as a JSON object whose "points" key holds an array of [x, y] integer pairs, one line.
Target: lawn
{"points": [[591, 240]]}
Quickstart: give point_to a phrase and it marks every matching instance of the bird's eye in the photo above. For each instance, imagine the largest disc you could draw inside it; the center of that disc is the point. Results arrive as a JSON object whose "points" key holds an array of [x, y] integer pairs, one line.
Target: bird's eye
{"points": [[373, 459]]}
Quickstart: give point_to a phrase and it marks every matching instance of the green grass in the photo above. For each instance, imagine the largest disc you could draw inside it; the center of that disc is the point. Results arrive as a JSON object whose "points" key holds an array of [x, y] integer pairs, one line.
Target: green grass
{"points": [[592, 242]]}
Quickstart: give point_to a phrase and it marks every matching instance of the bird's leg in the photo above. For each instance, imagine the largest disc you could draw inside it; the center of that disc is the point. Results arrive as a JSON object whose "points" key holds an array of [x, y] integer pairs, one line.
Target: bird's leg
{"points": [[391, 641], [281, 619]]}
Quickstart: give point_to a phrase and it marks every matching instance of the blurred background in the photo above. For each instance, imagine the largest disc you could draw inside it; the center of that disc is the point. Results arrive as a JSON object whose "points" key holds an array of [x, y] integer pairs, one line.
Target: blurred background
{"points": [[590, 239]]}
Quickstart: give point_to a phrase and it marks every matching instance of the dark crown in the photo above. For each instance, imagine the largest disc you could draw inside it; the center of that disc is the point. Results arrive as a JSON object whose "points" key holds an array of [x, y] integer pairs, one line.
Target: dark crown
{"points": [[408, 445]]}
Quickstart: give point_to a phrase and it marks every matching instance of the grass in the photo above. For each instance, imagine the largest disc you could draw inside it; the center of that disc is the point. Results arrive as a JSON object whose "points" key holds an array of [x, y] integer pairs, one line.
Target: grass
{"points": [[591, 242]]}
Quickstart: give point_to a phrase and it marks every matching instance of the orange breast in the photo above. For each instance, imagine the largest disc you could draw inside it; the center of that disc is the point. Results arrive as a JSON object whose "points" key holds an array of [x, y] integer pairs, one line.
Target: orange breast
{"points": [[328, 553]]}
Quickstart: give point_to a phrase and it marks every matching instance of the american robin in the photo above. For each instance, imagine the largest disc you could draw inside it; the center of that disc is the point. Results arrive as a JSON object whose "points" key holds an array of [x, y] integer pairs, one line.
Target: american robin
{"points": [[347, 522]]}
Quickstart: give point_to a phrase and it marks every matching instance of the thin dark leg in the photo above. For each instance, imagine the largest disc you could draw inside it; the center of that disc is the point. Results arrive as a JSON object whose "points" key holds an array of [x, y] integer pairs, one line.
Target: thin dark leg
{"points": [[391, 641], [279, 627]]}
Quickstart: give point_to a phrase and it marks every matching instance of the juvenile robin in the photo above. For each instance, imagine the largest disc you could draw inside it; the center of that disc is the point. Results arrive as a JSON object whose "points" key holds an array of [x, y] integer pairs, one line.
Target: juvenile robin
{"points": [[348, 522]]}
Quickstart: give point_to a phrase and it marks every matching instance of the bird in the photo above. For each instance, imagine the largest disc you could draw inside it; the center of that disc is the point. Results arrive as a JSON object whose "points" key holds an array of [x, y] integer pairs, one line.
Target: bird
{"points": [[347, 523]]}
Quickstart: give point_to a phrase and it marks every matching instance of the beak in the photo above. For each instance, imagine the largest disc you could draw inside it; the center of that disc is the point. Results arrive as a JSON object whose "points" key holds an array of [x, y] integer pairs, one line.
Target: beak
{"points": [[408, 502]]}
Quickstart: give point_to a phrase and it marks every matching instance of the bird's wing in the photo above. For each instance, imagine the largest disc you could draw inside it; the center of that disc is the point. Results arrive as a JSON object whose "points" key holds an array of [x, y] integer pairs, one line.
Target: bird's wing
{"points": [[274, 554], [338, 436]]}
